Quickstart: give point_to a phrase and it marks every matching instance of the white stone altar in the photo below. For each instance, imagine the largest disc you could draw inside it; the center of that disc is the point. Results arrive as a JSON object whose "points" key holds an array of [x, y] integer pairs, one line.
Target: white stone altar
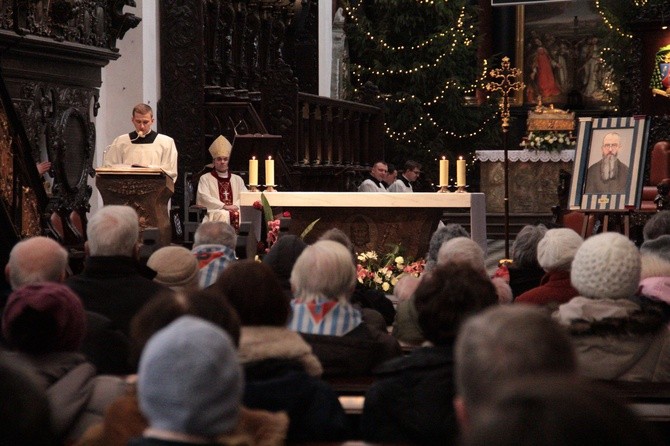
{"points": [[372, 220]]}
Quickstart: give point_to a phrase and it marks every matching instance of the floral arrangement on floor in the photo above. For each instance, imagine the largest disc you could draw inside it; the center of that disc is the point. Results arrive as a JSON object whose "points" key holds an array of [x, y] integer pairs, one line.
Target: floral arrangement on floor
{"points": [[382, 272], [549, 141]]}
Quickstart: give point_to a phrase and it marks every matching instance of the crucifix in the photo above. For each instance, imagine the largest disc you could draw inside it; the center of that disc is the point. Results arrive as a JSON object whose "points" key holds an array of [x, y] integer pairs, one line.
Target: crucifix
{"points": [[225, 194], [507, 81]]}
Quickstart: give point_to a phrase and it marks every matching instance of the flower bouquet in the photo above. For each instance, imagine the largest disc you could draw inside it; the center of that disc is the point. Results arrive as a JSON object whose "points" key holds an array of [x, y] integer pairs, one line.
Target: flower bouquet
{"points": [[383, 272], [550, 141]]}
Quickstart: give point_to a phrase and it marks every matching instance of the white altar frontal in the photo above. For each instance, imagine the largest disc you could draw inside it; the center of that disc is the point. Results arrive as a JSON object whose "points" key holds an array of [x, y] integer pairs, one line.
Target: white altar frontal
{"points": [[372, 220], [533, 179]]}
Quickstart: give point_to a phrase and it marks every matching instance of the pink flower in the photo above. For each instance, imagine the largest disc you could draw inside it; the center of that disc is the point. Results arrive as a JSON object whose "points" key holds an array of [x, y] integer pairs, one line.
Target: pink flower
{"points": [[286, 214], [273, 233]]}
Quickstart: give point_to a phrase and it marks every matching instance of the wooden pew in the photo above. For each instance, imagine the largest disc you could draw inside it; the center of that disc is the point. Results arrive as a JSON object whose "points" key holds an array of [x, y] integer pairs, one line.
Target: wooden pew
{"points": [[650, 400]]}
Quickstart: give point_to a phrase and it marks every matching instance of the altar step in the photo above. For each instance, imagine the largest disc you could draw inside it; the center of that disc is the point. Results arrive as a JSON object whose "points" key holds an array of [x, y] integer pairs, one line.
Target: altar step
{"points": [[495, 223]]}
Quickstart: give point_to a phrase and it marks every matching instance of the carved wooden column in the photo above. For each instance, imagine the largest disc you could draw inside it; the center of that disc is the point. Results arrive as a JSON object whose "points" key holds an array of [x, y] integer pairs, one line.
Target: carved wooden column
{"points": [[182, 84], [340, 156], [312, 122], [327, 134]]}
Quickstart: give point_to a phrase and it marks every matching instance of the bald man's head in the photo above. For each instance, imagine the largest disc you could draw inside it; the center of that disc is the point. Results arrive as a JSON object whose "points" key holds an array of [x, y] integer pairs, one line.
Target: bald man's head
{"points": [[34, 260]]}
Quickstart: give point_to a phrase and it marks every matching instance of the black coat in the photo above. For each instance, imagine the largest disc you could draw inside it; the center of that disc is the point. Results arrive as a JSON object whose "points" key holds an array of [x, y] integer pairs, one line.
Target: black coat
{"points": [[357, 352], [412, 400], [115, 287], [314, 411]]}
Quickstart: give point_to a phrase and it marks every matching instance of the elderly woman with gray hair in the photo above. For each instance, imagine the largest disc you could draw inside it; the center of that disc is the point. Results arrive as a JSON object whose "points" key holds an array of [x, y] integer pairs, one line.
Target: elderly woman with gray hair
{"points": [[525, 272], [459, 250], [323, 280]]}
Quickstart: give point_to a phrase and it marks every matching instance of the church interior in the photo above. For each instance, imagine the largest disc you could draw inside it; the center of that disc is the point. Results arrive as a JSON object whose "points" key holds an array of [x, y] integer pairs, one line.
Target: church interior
{"points": [[272, 79], [504, 105]]}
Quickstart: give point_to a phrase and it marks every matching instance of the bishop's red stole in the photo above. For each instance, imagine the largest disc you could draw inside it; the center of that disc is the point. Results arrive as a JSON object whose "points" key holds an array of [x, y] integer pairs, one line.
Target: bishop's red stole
{"points": [[226, 196]]}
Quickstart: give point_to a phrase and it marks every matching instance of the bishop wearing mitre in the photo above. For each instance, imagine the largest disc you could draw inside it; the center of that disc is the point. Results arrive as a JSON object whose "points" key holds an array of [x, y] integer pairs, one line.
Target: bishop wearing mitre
{"points": [[219, 190]]}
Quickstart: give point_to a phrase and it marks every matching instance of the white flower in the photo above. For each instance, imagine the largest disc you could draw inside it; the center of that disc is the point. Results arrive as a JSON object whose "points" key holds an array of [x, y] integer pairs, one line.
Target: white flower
{"points": [[394, 281], [386, 286], [377, 280], [399, 260]]}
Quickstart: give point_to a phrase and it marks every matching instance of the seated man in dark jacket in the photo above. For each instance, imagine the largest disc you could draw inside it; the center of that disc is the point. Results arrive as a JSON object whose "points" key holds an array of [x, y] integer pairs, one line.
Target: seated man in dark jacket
{"points": [[412, 402], [113, 282]]}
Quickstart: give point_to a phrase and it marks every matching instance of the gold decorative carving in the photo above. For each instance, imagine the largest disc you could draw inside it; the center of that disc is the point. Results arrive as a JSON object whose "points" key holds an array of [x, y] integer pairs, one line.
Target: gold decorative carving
{"points": [[147, 194], [545, 118], [6, 160], [30, 216], [129, 187]]}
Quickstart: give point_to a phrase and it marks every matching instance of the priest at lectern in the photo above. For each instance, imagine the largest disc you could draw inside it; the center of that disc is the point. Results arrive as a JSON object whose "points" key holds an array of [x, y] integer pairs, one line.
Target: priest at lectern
{"points": [[144, 147], [219, 190]]}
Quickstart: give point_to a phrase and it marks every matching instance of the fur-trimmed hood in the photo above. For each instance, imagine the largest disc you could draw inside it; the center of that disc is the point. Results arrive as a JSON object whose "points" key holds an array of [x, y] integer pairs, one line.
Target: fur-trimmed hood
{"points": [[601, 317], [258, 343], [623, 339]]}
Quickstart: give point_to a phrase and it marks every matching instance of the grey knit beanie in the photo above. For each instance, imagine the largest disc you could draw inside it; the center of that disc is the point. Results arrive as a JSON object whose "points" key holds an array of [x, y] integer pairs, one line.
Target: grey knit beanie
{"points": [[190, 380]]}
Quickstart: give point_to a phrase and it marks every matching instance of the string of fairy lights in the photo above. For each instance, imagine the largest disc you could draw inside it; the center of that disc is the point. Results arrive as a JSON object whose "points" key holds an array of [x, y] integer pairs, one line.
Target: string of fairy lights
{"points": [[610, 25], [460, 34], [459, 31], [406, 136]]}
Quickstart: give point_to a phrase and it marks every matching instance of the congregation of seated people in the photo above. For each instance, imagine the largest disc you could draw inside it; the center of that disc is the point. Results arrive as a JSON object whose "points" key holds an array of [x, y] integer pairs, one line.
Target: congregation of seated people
{"points": [[195, 346]]}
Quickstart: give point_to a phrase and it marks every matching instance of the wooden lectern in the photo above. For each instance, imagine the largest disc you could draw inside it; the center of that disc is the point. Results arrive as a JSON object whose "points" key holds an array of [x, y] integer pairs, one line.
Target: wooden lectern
{"points": [[146, 189]]}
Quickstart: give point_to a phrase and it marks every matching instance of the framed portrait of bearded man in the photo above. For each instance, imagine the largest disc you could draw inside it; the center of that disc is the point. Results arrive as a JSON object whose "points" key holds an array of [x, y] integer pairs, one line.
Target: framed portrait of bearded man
{"points": [[609, 163]]}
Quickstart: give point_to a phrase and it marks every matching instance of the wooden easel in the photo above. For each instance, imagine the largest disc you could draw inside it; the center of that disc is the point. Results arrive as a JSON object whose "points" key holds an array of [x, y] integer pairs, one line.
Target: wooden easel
{"points": [[606, 221]]}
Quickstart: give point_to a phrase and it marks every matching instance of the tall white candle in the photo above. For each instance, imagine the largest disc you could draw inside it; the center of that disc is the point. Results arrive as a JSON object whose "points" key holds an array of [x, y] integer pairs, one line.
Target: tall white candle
{"points": [[444, 172], [253, 171], [269, 171], [460, 172]]}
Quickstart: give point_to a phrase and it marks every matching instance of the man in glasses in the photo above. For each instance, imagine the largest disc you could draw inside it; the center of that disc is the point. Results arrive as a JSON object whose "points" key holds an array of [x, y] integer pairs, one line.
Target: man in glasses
{"points": [[404, 182], [609, 175]]}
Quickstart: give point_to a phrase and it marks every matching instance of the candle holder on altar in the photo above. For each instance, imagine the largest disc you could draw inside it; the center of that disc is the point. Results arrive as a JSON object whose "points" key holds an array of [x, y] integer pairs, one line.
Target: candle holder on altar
{"points": [[461, 189], [253, 187], [270, 187], [443, 189]]}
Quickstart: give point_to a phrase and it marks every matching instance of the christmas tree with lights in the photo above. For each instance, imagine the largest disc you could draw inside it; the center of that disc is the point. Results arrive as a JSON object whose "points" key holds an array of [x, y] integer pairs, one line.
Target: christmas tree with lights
{"points": [[422, 57]]}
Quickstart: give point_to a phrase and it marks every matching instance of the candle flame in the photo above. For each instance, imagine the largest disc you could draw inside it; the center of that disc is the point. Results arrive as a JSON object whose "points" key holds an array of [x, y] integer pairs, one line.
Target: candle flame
{"points": [[460, 157], [253, 157], [269, 157], [443, 158]]}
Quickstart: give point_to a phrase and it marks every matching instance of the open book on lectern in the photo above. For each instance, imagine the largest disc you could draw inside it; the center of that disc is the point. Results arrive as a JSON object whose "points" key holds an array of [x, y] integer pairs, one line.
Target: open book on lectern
{"points": [[129, 169]]}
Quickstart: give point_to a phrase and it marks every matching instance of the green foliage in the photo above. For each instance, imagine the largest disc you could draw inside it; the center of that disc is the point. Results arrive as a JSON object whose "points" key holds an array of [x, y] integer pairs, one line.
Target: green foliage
{"points": [[267, 209], [426, 109], [309, 228]]}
